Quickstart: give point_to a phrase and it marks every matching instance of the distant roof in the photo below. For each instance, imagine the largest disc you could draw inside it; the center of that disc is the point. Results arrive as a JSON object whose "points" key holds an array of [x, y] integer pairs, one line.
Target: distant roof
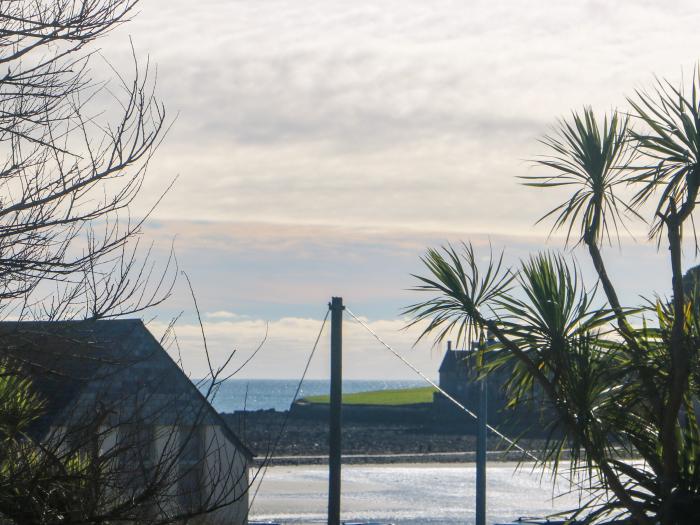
{"points": [[75, 363], [455, 359]]}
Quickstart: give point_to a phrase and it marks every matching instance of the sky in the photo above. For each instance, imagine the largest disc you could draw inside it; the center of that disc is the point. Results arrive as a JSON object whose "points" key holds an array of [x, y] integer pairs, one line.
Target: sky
{"points": [[320, 147]]}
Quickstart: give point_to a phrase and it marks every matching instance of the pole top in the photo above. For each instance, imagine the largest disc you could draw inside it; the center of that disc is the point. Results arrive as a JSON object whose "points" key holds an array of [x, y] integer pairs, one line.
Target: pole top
{"points": [[336, 303]]}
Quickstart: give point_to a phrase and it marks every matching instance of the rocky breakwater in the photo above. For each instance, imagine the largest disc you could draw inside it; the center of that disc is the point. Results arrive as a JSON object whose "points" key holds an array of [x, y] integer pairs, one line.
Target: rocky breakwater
{"points": [[301, 437]]}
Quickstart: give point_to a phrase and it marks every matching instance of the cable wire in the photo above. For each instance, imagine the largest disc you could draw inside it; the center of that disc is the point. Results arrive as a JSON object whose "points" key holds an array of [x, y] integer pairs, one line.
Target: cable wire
{"points": [[271, 452], [500, 434]]}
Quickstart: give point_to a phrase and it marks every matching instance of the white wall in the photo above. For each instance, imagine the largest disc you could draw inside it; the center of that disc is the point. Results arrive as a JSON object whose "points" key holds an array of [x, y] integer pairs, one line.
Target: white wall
{"points": [[227, 474], [225, 470]]}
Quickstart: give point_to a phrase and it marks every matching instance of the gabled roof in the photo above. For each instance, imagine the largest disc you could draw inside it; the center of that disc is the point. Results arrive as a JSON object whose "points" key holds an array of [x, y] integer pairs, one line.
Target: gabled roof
{"points": [[455, 360], [77, 364]]}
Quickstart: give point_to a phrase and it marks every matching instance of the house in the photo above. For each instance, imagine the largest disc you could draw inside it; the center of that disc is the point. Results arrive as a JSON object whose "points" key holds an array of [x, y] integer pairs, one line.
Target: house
{"points": [[114, 397], [456, 372], [458, 377]]}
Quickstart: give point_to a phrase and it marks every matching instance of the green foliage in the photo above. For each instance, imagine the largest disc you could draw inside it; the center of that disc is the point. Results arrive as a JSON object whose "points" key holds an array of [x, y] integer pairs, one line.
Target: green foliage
{"points": [[39, 482], [19, 406], [623, 382], [589, 158], [463, 291], [670, 144]]}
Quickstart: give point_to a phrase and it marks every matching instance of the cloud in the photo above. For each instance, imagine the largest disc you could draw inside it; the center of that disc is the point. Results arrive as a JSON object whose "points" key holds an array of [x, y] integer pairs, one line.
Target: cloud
{"points": [[288, 346], [273, 271], [246, 275], [387, 113], [404, 71], [223, 314], [323, 145]]}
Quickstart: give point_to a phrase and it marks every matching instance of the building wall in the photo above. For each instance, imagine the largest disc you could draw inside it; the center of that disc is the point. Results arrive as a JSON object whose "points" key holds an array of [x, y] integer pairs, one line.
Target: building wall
{"points": [[165, 450], [227, 476], [458, 379]]}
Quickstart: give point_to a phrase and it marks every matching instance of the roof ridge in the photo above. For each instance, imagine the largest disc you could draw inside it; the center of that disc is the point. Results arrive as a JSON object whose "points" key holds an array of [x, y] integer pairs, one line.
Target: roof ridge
{"points": [[225, 427]]}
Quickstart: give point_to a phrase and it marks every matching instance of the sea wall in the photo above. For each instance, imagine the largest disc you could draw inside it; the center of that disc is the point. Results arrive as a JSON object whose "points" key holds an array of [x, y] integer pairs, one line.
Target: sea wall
{"points": [[417, 414], [440, 416], [287, 437]]}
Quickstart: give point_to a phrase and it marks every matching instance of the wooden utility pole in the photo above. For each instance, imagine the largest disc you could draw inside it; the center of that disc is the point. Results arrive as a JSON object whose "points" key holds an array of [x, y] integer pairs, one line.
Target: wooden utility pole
{"points": [[336, 307], [481, 454]]}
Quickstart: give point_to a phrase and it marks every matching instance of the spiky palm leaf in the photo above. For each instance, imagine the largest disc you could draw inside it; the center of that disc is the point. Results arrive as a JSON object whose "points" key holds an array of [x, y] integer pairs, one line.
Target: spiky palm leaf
{"points": [[671, 146], [590, 158], [556, 326], [19, 404], [462, 291], [555, 306], [559, 329]]}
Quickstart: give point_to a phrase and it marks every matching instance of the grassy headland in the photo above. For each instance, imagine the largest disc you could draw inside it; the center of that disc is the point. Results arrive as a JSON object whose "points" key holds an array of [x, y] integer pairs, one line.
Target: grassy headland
{"points": [[406, 396]]}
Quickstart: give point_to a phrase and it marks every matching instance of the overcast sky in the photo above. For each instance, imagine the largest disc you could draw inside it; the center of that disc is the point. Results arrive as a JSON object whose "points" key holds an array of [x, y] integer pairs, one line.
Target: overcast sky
{"points": [[322, 146]]}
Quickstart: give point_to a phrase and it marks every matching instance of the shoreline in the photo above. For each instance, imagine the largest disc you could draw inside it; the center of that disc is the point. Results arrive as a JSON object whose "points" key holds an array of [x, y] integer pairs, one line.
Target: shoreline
{"points": [[428, 458], [304, 441]]}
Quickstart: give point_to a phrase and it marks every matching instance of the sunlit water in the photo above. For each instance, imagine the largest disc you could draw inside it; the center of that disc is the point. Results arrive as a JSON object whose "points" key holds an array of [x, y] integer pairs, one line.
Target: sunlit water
{"points": [[407, 494]]}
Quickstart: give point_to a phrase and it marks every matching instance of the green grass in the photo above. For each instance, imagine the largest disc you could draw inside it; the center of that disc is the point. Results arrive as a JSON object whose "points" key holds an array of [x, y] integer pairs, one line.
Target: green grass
{"points": [[407, 396]]}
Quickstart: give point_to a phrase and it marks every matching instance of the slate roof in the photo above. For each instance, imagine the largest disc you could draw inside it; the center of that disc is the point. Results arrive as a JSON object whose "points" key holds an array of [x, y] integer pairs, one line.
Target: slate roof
{"points": [[455, 360], [77, 365]]}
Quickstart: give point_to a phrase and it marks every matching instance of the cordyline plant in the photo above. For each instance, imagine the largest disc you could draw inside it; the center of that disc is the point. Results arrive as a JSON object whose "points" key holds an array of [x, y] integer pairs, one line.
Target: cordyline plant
{"points": [[621, 382]]}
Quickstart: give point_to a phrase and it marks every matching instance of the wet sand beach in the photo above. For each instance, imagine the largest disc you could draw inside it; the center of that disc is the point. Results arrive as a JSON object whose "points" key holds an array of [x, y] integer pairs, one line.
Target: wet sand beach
{"points": [[407, 494]]}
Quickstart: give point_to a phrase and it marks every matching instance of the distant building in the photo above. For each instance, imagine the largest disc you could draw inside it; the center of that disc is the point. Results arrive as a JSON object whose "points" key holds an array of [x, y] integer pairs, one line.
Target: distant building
{"points": [[110, 389], [457, 372], [458, 377]]}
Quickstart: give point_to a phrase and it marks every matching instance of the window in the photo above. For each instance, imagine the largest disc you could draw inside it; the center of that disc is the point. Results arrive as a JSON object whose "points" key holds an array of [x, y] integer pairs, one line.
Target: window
{"points": [[191, 456], [191, 440], [136, 454], [80, 440]]}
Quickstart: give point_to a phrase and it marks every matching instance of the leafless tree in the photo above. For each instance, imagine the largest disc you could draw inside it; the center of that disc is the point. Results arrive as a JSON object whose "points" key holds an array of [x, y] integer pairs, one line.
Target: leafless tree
{"points": [[71, 166], [70, 169]]}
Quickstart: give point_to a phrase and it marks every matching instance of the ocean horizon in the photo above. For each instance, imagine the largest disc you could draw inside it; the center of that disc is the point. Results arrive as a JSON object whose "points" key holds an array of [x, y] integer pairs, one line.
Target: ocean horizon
{"points": [[278, 394]]}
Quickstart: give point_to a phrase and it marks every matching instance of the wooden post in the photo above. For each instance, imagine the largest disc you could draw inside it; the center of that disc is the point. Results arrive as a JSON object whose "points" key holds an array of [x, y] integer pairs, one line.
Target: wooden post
{"points": [[481, 454], [337, 308]]}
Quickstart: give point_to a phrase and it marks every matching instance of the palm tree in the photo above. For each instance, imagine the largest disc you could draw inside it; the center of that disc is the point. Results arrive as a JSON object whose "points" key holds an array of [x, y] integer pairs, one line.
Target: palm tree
{"points": [[621, 380]]}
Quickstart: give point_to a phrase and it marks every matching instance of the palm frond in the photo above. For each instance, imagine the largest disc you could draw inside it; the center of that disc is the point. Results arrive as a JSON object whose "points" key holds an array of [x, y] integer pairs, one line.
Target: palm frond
{"points": [[463, 293], [19, 404], [591, 158], [670, 146], [555, 306]]}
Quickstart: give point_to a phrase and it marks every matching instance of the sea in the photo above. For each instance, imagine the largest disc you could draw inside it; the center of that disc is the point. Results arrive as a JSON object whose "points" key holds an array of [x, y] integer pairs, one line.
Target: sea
{"points": [[278, 394]]}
